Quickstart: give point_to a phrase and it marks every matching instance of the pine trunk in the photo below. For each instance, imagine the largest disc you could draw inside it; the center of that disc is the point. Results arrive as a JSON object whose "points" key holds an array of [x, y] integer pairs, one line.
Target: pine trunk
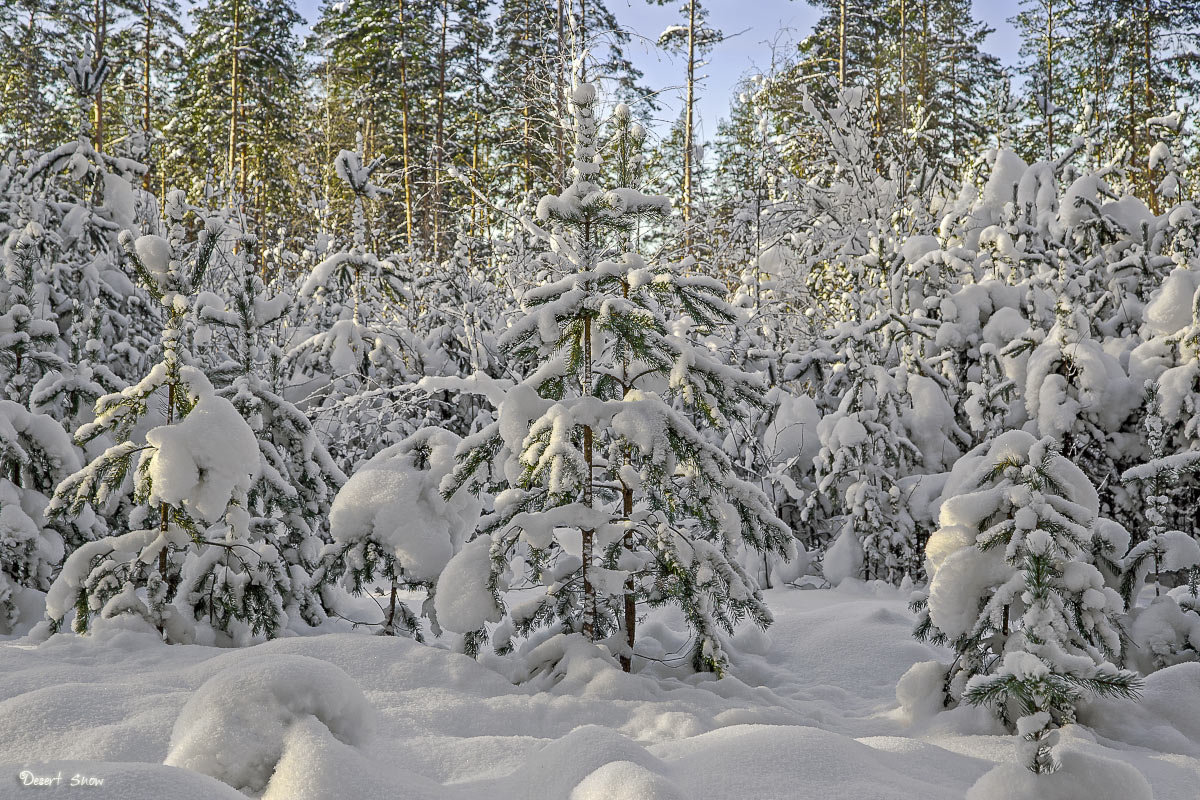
{"points": [[408, 213], [100, 8], [1148, 94], [1049, 92], [688, 121], [234, 89], [841, 62], [147, 55]]}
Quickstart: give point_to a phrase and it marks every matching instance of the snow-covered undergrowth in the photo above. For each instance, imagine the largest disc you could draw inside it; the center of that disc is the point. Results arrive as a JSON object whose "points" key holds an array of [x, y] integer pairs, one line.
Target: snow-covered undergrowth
{"points": [[812, 712]]}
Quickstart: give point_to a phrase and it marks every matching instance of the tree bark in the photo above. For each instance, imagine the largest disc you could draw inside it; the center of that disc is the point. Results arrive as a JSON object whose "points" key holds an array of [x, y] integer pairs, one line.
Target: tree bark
{"points": [[234, 91], [588, 534], [1148, 94], [438, 134], [100, 7], [147, 55], [688, 117], [1049, 93], [408, 213], [589, 591], [842, 43], [903, 63]]}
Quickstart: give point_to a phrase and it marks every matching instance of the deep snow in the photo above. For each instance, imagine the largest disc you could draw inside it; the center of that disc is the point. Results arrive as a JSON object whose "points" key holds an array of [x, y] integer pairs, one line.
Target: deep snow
{"points": [[811, 712]]}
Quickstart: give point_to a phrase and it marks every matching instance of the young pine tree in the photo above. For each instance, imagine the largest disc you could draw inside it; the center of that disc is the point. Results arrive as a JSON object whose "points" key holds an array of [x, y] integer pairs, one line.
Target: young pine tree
{"points": [[35, 454], [611, 489], [29, 335], [191, 545], [297, 479], [359, 344], [1014, 592]]}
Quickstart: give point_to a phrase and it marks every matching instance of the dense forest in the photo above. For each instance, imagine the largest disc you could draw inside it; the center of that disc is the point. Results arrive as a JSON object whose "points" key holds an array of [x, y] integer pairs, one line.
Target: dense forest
{"points": [[415, 306], [241, 111]]}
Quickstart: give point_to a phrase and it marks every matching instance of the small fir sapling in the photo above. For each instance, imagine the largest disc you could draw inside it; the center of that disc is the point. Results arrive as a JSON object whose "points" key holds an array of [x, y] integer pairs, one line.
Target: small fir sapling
{"points": [[359, 350], [296, 477], [604, 442], [1014, 592], [865, 450], [84, 197], [1159, 550], [1167, 631], [35, 454], [29, 334], [190, 547]]}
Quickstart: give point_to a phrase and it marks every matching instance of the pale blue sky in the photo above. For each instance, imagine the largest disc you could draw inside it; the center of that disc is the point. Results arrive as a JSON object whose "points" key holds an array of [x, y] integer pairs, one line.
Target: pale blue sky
{"points": [[761, 22]]}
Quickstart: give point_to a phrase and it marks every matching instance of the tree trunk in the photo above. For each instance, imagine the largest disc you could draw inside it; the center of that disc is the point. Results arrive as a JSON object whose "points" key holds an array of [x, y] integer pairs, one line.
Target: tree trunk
{"points": [[163, 523], [390, 626], [408, 213], [1148, 94], [147, 55], [438, 134], [100, 7], [588, 534], [560, 94], [627, 510], [923, 79], [234, 90], [841, 62], [526, 135], [630, 588], [589, 591], [903, 63], [688, 121], [1049, 92]]}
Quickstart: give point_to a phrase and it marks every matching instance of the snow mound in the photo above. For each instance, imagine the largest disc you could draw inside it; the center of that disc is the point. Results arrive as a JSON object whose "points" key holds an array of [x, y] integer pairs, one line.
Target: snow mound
{"points": [[1163, 634], [566, 766], [813, 717], [1166, 718], [624, 780], [238, 724], [315, 765], [843, 559], [778, 762], [1081, 777]]}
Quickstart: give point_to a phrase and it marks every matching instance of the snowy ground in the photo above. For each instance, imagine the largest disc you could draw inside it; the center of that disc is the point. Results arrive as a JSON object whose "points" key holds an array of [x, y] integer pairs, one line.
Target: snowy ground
{"points": [[812, 713]]}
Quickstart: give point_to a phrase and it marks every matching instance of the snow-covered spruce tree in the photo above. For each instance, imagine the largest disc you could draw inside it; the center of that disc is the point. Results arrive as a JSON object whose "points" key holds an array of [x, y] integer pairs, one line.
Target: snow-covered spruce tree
{"points": [[1159, 550], [1013, 591], [609, 489], [1078, 394], [82, 198], [35, 454], [1170, 358], [464, 304], [297, 479], [192, 552], [1164, 632], [990, 397], [857, 504], [358, 351], [70, 392], [29, 335], [393, 530]]}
